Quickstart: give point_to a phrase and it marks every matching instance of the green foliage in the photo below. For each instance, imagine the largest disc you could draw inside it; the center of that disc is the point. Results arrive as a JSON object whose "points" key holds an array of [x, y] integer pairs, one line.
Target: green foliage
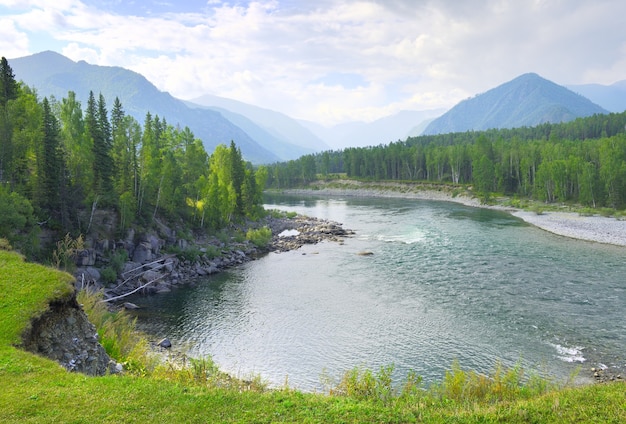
{"points": [[108, 275], [65, 253], [190, 254], [5, 244], [538, 209], [363, 384], [260, 237], [204, 373], [118, 334], [38, 286], [118, 259], [502, 385], [583, 161], [55, 161], [17, 222]]}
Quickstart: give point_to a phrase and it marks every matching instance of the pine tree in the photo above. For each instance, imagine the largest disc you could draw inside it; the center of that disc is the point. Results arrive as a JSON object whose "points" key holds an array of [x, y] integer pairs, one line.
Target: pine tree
{"points": [[9, 90], [8, 85], [52, 168], [237, 175], [99, 130]]}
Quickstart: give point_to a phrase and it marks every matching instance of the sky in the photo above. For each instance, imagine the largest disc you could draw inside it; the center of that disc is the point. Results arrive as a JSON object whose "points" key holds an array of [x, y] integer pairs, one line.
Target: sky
{"points": [[329, 61]]}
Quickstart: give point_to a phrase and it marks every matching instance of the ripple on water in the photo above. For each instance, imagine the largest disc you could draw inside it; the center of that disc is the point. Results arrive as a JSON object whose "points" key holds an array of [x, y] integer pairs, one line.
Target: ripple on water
{"points": [[445, 283]]}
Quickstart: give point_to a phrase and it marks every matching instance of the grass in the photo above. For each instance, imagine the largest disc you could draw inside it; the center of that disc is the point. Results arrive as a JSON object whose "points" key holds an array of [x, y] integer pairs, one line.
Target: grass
{"points": [[37, 390]]}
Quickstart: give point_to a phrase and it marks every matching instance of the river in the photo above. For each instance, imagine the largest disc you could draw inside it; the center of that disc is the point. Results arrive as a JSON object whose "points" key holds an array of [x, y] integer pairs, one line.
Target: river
{"points": [[444, 282]]}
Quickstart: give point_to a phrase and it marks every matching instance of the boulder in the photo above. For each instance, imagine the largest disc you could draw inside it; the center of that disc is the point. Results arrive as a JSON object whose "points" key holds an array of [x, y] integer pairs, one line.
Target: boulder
{"points": [[151, 275], [86, 257], [143, 253], [155, 244], [165, 343]]}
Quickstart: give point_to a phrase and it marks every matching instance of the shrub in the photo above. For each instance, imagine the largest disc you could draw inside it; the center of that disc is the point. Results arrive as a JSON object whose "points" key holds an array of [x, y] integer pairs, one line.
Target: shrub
{"points": [[118, 335], [5, 245], [363, 384], [108, 275], [65, 252], [259, 237], [118, 259], [504, 384]]}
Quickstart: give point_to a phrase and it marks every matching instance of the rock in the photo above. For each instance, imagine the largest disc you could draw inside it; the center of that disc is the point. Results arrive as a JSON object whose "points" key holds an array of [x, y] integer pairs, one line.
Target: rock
{"points": [[91, 274], [169, 265], [155, 244], [165, 343], [151, 275], [143, 253], [199, 270], [63, 333], [130, 266], [85, 257], [129, 305]]}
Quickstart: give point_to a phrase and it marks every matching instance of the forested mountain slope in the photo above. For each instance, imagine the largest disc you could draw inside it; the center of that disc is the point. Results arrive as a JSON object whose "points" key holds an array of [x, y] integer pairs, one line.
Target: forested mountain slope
{"points": [[54, 75], [527, 100], [582, 161], [280, 127]]}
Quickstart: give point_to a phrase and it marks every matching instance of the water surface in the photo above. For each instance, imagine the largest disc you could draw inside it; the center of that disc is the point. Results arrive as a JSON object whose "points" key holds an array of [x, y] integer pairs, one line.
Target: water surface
{"points": [[445, 282]]}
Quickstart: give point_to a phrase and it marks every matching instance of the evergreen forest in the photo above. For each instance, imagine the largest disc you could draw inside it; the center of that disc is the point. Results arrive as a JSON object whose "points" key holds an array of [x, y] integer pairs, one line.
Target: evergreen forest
{"points": [[59, 163], [583, 162]]}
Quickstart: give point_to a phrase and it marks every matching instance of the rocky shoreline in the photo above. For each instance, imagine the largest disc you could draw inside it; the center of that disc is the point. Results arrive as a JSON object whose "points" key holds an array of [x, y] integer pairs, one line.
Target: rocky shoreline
{"points": [[151, 270]]}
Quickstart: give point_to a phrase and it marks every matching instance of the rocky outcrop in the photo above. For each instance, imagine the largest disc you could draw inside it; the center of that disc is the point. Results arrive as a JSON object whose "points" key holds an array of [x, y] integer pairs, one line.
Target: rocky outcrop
{"points": [[295, 233], [64, 334], [148, 270]]}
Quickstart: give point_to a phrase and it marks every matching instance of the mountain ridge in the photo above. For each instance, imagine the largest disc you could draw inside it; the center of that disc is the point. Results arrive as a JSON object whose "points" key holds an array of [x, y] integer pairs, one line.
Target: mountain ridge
{"points": [[527, 100], [611, 97], [52, 74]]}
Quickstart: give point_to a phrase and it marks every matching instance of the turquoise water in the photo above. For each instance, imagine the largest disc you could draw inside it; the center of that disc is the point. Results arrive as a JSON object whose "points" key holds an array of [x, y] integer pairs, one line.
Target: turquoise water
{"points": [[445, 282]]}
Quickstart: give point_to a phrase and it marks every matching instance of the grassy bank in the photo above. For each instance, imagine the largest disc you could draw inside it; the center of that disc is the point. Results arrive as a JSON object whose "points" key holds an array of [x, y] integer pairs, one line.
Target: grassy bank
{"points": [[38, 390]]}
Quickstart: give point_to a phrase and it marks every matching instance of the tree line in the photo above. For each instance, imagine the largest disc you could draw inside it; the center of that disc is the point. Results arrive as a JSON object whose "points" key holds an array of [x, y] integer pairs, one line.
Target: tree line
{"points": [[60, 163], [583, 161]]}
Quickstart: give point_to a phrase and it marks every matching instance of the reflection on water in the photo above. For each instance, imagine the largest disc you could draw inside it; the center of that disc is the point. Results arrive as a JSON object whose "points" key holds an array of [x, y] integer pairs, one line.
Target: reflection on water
{"points": [[446, 282]]}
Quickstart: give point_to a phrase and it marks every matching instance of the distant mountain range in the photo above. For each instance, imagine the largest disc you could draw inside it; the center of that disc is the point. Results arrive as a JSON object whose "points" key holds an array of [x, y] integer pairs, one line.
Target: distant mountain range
{"points": [[527, 100], [267, 127], [267, 136], [611, 97], [407, 123], [53, 74]]}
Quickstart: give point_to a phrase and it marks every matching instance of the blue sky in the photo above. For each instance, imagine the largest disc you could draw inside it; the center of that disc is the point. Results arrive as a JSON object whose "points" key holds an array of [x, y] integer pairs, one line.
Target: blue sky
{"points": [[329, 61]]}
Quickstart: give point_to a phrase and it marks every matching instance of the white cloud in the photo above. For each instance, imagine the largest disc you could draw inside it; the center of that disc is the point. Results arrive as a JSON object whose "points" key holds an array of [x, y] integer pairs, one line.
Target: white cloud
{"points": [[13, 43], [410, 54]]}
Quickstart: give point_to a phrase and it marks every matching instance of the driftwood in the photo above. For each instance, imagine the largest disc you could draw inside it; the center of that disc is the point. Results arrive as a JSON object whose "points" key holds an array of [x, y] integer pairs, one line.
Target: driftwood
{"points": [[143, 272], [132, 291], [149, 263]]}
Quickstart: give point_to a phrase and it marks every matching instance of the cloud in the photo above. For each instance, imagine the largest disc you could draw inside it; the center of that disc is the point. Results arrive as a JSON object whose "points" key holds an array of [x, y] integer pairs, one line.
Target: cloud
{"points": [[335, 60], [12, 41]]}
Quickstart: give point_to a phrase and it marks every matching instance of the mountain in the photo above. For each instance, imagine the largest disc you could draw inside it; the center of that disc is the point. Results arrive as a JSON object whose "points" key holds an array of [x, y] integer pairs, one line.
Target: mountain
{"points": [[53, 74], [271, 129], [527, 100], [395, 127], [611, 97]]}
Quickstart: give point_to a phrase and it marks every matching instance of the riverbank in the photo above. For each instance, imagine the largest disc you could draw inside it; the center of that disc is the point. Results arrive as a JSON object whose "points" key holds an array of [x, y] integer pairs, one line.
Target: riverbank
{"points": [[152, 268], [594, 228]]}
